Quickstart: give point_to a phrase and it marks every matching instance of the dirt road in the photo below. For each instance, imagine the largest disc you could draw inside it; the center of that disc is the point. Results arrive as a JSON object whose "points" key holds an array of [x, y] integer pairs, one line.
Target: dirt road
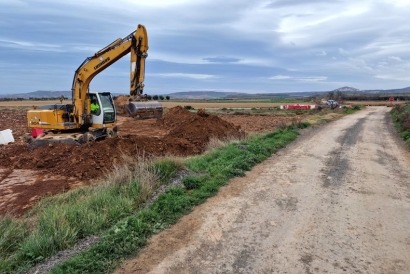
{"points": [[335, 201]]}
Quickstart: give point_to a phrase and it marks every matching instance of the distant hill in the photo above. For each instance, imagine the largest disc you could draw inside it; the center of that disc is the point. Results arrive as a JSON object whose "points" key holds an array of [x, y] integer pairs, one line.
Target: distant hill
{"points": [[214, 95], [203, 95], [292, 95], [38, 94]]}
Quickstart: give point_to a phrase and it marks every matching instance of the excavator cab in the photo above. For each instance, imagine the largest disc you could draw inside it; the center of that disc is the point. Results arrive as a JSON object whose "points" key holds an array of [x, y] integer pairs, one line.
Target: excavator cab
{"points": [[105, 112]]}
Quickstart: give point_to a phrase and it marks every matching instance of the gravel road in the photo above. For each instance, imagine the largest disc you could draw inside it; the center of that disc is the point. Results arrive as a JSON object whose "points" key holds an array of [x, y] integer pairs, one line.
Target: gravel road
{"points": [[335, 201]]}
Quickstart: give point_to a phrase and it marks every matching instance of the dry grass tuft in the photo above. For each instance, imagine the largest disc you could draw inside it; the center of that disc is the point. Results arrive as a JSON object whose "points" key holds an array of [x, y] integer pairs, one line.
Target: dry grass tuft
{"points": [[132, 169], [215, 143]]}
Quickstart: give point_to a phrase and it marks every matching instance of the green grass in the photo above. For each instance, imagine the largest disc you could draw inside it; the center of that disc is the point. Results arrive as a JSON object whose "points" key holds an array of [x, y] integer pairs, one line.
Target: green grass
{"points": [[401, 118], [214, 170], [60, 221], [12, 231], [351, 110], [167, 168]]}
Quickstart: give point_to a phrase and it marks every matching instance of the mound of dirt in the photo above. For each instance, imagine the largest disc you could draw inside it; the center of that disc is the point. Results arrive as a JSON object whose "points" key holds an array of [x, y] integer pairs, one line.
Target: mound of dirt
{"points": [[120, 102], [28, 174], [188, 134], [16, 120], [92, 160], [198, 128]]}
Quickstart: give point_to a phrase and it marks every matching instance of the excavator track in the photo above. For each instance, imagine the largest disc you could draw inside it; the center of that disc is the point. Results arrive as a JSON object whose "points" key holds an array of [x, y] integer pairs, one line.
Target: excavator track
{"points": [[50, 138]]}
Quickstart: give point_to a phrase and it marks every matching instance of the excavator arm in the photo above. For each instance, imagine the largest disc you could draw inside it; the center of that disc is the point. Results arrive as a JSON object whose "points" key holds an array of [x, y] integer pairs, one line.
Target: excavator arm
{"points": [[135, 43], [76, 122]]}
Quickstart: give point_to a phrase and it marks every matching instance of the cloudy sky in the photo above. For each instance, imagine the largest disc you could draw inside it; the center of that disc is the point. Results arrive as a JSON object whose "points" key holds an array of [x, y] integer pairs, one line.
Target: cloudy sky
{"points": [[231, 45]]}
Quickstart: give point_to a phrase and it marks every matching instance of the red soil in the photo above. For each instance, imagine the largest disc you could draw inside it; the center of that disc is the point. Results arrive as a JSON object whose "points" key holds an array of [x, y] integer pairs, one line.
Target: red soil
{"points": [[59, 167]]}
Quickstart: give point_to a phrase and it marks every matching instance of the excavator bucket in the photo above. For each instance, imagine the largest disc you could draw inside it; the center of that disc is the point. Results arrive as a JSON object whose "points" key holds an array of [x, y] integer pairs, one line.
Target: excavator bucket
{"points": [[144, 109]]}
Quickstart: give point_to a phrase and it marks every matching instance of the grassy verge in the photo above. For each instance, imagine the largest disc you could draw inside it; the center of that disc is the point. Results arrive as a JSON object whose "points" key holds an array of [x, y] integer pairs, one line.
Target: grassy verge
{"points": [[59, 222], [326, 115], [351, 110], [213, 169], [401, 119]]}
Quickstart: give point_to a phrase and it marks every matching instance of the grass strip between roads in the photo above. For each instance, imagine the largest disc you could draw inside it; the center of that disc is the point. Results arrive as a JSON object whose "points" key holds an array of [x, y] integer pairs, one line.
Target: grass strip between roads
{"points": [[214, 170]]}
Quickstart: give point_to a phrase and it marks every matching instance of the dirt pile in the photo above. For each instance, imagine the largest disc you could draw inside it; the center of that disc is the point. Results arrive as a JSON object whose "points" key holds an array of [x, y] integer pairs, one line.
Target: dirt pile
{"points": [[188, 134], [259, 123], [120, 102], [27, 175], [91, 160], [198, 128], [16, 120]]}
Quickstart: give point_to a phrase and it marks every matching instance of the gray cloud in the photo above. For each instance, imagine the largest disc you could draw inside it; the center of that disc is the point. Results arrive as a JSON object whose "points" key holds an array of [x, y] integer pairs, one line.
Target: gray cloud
{"points": [[291, 3], [260, 46], [222, 59]]}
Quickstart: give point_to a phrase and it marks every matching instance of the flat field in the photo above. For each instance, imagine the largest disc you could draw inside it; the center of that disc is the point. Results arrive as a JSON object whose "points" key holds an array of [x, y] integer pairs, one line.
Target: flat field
{"points": [[223, 104], [375, 103]]}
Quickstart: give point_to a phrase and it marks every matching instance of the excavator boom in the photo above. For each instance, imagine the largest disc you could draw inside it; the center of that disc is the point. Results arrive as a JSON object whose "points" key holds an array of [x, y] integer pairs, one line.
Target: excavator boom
{"points": [[79, 116], [135, 43]]}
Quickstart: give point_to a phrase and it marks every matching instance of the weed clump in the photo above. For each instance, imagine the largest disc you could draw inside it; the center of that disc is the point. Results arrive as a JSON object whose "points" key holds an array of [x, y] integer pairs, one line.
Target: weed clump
{"points": [[401, 118]]}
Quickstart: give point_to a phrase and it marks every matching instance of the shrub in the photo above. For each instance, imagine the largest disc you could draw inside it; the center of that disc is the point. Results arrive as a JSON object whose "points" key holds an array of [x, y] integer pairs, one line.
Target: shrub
{"points": [[401, 118], [167, 168], [193, 182], [12, 231]]}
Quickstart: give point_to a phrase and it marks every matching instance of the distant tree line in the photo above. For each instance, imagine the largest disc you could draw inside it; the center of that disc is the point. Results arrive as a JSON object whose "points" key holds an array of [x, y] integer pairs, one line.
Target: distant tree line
{"points": [[158, 97], [148, 97], [153, 97], [375, 97], [342, 96]]}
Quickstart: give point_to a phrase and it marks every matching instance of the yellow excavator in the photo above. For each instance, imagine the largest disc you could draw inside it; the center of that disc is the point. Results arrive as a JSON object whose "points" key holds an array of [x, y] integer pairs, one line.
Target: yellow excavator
{"points": [[92, 115]]}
